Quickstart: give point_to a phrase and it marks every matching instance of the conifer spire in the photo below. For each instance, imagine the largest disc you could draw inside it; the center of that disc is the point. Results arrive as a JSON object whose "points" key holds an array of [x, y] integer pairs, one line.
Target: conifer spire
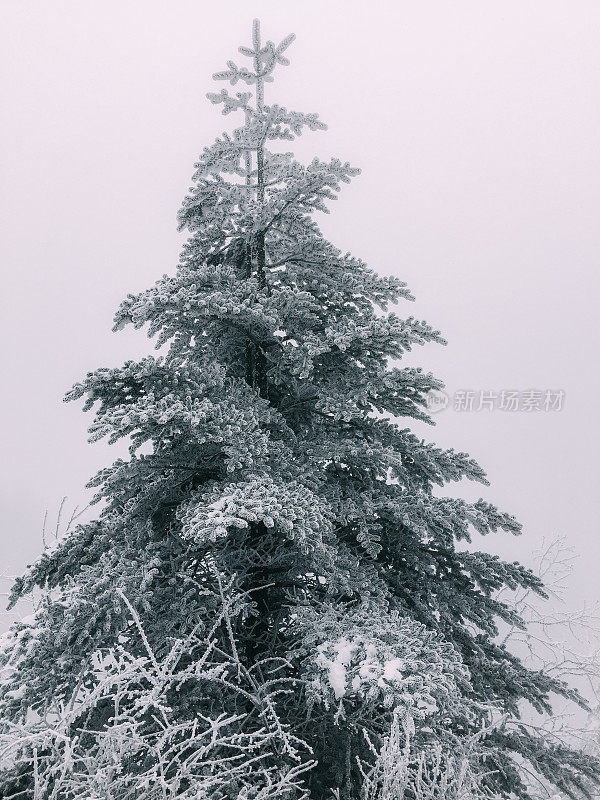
{"points": [[271, 584]]}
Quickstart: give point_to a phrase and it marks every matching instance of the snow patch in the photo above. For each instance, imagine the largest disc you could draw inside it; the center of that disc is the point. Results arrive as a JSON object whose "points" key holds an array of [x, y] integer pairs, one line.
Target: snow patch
{"points": [[336, 667]]}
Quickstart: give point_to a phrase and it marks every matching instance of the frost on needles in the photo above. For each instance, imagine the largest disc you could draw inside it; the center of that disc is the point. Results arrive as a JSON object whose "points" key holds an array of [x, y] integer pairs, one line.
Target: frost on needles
{"points": [[271, 602]]}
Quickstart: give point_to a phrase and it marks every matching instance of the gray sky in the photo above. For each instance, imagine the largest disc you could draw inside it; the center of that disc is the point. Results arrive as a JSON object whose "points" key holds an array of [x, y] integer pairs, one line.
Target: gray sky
{"points": [[476, 126]]}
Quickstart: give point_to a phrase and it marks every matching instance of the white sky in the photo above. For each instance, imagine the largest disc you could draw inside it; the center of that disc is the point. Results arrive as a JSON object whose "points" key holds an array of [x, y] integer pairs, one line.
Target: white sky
{"points": [[476, 126]]}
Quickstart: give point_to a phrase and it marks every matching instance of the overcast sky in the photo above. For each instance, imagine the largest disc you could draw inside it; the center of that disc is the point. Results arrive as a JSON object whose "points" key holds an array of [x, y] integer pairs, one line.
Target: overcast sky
{"points": [[476, 126]]}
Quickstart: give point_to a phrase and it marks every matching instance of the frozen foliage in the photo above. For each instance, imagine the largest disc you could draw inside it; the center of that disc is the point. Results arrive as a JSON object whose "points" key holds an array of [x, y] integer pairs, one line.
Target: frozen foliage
{"points": [[272, 584], [367, 655], [148, 746], [398, 771], [564, 641], [289, 509]]}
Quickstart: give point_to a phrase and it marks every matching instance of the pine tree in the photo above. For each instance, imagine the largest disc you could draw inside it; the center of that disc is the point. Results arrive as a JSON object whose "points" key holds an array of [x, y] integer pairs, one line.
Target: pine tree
{"points": [[272, 582]]}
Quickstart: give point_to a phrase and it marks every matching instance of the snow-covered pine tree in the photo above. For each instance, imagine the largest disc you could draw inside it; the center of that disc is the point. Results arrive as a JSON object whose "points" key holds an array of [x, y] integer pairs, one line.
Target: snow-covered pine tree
{"points": [[272, 582]]}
